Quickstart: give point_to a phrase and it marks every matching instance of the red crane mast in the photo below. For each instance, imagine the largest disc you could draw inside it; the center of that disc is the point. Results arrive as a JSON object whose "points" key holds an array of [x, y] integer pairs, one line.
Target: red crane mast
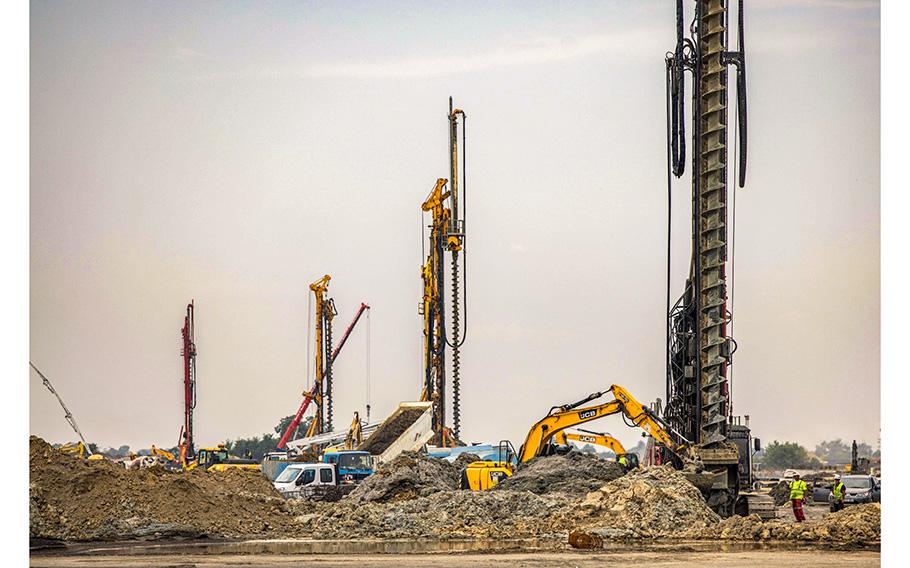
{"points": [[188, 352]]}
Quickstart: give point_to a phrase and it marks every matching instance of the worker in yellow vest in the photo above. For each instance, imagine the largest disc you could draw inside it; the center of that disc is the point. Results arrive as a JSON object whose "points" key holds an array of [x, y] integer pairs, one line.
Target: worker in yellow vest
{"points": [[797, 494], [838, 490]]}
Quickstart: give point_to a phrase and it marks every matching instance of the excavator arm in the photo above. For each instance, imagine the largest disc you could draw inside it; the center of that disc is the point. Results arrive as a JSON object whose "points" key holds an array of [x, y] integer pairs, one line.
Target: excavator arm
{"points": [[567, 416], [595, 438]]}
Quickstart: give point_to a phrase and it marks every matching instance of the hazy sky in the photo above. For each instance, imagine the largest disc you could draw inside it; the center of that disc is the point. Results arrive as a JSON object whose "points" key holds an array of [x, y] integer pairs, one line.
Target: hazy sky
{"points": [[234, 152]]}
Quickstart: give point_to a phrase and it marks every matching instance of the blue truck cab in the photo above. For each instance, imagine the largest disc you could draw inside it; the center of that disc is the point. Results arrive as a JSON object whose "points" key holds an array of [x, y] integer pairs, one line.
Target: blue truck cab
{"points": [[353, 465]]}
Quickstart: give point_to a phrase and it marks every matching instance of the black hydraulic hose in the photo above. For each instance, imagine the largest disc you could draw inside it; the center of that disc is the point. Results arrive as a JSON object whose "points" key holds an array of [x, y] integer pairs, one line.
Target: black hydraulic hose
{"points": [[677, 86]]}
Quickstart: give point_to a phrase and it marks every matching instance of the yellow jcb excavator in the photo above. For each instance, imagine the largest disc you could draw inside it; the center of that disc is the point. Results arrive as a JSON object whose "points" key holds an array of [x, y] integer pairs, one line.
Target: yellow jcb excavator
{"points": [[79, 449], [627, 460], [218, 459], [158, 452], [540, 438]]}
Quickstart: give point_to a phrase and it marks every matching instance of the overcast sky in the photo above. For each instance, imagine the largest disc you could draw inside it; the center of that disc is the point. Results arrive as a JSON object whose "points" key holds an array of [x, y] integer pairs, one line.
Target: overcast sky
{"points": [[234, 152]]}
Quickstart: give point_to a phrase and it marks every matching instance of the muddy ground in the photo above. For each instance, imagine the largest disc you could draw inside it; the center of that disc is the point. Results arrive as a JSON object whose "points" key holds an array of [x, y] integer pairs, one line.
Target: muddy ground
{"points": [[669, 559]]}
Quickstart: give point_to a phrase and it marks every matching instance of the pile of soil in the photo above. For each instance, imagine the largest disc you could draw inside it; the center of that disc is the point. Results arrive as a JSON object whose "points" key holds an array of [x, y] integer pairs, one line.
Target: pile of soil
{"points": [[854, 525], [408, 476], [75, 499], [575, 473], [463, 459], [443, 515], [649, 503]]}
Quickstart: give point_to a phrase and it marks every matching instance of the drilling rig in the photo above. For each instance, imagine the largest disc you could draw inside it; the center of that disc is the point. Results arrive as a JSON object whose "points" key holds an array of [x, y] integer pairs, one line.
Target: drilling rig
{"points": [[447, 234], [311, 394], [325, 313], [188, 352], [699, 349]]}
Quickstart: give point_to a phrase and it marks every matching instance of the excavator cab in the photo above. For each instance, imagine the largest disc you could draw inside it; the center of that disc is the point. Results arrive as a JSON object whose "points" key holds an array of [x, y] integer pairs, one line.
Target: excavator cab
{"points": [[482, 475]]}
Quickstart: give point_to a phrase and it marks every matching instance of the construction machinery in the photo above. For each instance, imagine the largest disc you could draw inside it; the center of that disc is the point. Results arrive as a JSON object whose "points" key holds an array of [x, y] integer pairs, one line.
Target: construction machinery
{"points": [[699, 409], [186, 443], [545, 432], [217, 458], [602, 439], [858, 465], [446, 206], [484, 474], [588, 437], [158, 452], [541, 435], [316, 389], [66, 411], [79, 449]]}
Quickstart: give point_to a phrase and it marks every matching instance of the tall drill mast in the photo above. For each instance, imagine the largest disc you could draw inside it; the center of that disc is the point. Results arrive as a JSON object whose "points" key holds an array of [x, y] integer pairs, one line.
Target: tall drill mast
{"points": [[325, 312], [699, 352], [188, 352], [446, 234]]}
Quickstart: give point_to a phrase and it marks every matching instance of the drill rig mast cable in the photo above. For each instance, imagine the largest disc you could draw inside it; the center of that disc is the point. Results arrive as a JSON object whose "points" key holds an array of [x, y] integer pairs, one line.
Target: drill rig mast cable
{"points": [[66, 411]]}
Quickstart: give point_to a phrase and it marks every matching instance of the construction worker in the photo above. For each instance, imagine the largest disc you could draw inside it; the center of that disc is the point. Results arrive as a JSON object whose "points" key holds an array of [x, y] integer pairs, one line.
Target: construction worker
{"points": [[623, 462], [838, 490], [797, 494]]}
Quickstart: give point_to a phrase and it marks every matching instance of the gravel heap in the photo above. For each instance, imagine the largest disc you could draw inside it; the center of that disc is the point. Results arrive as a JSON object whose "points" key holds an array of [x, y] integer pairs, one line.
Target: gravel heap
{"points": [[75, 499], [649, 503], [408, 476], [575, 473], [854, 525], [445, 514]]}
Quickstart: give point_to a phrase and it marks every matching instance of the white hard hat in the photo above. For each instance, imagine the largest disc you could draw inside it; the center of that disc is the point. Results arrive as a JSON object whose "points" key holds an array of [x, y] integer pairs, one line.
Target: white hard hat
{"points": [[836, 476]]}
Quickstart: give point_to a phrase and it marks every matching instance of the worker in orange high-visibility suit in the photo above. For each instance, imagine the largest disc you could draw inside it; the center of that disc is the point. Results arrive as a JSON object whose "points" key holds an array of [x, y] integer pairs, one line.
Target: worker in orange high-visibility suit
{"points": [[797, 494]]}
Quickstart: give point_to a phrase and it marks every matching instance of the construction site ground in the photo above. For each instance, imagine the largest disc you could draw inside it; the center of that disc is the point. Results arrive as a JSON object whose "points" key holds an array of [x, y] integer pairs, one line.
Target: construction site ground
{"points": [[97, 512], [678, 555]]}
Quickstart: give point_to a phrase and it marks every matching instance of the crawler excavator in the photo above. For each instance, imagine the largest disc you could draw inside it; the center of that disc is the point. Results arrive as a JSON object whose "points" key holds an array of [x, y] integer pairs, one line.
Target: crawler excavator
{"points": [[540, 438]]}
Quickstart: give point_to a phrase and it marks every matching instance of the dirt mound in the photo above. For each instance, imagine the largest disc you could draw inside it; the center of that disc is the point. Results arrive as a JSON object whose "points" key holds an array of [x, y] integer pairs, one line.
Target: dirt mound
{"points": [[76, 499], [463, 460], [654, 502], [445, 514], [408, 476], [855, 525], [575, 473]]}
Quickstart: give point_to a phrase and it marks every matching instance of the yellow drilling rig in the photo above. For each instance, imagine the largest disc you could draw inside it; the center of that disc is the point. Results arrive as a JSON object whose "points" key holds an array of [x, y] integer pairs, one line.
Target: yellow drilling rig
{"points": [[446, 207]]}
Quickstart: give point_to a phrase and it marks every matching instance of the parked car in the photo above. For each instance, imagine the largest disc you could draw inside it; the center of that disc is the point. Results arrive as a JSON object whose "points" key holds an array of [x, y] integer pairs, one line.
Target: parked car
{"points": [[861, 489]]}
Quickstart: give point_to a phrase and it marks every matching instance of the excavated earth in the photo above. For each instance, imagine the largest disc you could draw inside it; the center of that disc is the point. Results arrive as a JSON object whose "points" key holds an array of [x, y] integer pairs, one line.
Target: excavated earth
{"points": [[413, 496], [75, 499], [574, 473]]}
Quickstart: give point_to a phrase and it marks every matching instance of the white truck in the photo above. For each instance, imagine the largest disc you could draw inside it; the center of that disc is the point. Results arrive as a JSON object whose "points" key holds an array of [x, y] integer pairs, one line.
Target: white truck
{"points": [[316, 481]]}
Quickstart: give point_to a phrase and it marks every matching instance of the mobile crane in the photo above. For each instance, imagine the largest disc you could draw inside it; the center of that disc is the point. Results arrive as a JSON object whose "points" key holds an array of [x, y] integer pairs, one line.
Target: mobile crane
{"points": [[699, 409], [447, 234]]}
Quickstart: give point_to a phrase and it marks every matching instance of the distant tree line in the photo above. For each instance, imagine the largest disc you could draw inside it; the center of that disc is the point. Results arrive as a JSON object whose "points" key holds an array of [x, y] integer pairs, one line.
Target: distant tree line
{"points": [[791, 455], [257, 447]]}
